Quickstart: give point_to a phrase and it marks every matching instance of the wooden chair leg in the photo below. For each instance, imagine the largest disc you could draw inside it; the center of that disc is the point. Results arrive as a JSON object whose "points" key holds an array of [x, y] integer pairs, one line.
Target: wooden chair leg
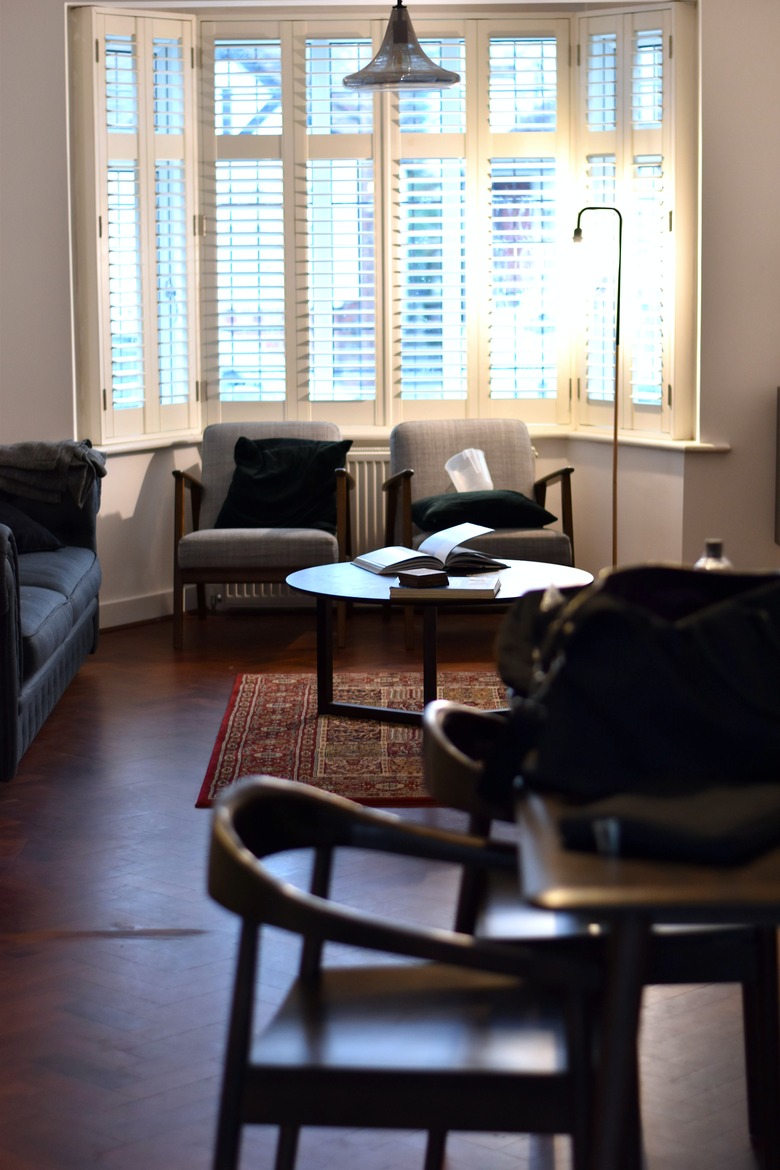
{"points": [[178, 616], [287, 1147], [434, 1150], [761, 1024], [228, 1144]]}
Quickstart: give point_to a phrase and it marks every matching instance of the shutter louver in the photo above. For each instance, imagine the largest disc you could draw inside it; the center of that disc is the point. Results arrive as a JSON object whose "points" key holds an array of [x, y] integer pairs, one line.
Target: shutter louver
{"points": [[523, 341], [250, 280], [172, 314], [247, 87], [433, 309], [523, 84], [437, 111], [125, 288]]}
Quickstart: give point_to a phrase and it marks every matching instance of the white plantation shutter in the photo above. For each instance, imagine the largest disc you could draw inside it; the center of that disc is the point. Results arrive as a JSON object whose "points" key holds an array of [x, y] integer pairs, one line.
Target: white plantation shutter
{"points": [[318, 252], [341, 345], [329, 108], [135, 240], [650, 325], [626, 160], [342, 334], [601, 81], [523, 340], [172, 292], [528, 126], [432, 295], [599, 289], [247, 87], [438, 111], [250, 280], [125, 285], [245, 257], [523, 84]]}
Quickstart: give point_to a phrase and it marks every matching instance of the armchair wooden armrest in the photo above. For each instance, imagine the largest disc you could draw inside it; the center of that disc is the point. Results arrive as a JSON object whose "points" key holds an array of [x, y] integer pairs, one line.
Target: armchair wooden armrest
{"points": [[345, 485], [184, 481], [563, 477], [399, 502]]}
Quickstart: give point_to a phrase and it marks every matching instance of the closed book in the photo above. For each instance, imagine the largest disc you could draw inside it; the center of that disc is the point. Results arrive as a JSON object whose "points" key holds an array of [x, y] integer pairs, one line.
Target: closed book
{"points": [[483, 587], [422, 578]]}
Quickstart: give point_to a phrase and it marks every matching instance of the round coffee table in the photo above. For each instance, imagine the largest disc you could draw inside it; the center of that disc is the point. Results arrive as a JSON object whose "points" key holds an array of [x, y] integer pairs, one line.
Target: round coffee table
{"points": [[346, 582]]}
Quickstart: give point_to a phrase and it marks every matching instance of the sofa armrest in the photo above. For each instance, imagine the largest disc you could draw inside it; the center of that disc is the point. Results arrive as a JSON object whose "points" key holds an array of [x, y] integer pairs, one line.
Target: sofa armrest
{"points": [[10, 654], [71, 524]]}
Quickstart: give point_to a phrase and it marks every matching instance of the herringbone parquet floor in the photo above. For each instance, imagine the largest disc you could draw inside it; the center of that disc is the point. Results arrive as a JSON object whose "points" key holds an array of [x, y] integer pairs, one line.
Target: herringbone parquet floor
{"points": [[115, 967]]}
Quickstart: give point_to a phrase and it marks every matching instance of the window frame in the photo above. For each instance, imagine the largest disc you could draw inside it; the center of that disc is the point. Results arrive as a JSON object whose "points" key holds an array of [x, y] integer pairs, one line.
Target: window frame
{"points": [[90, 157], [386, 146]]}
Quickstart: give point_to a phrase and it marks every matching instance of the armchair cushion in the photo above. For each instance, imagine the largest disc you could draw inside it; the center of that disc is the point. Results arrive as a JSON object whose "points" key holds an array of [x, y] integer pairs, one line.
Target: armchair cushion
{"points": [[30, 536], [283, 483], [497, 509]]}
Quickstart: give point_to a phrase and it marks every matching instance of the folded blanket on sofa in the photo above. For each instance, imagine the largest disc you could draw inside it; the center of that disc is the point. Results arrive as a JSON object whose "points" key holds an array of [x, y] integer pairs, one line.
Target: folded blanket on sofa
{"points": [[42, 470]]}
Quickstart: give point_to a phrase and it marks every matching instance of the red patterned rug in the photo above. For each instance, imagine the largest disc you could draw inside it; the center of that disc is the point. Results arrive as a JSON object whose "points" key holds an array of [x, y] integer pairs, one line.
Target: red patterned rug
{"points": [[271, 726]]}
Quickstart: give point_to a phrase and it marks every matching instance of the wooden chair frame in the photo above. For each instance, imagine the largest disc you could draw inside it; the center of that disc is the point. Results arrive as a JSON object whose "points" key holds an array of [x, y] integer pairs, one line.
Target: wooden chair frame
{"points": [[263, 816], [185, 483]]}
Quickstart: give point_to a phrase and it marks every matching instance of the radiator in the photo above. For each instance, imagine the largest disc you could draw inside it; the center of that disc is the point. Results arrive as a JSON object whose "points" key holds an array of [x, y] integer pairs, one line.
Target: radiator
{"points": [[369, 467]]}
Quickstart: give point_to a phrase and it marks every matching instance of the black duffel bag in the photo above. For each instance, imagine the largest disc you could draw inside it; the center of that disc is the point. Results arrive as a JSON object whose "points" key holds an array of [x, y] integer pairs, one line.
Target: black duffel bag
{"points": [[655, 679]]}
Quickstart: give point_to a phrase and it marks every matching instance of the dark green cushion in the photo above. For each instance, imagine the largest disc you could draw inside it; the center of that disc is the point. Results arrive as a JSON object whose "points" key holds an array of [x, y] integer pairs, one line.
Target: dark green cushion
{"points": [[30, 536], [283, 483], [496, 509]]}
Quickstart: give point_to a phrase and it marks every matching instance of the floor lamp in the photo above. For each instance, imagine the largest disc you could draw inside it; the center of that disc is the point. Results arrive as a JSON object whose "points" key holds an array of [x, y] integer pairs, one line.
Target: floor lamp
{"points": [[577, 239]]}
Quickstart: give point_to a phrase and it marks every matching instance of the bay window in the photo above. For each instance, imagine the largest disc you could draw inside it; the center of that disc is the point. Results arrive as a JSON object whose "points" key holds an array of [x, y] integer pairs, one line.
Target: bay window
{"points": [[271, 244]]}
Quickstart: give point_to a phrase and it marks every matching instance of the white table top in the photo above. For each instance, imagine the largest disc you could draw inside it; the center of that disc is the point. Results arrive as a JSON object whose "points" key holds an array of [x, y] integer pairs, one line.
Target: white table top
{"points": [[350, 583]]}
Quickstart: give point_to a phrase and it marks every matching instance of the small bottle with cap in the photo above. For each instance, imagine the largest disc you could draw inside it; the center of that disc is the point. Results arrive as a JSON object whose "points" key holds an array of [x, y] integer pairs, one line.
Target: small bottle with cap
{"points": [[713, 559]]}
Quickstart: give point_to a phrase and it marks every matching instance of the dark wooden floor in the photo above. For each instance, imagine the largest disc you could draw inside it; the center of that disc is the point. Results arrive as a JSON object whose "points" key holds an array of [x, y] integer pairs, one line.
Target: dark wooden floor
{"points": [[115, 967]]}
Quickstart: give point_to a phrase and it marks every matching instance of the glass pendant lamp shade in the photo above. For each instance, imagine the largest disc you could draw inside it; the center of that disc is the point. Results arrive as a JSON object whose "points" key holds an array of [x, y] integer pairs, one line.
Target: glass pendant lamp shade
{"points": [[400, 62]]}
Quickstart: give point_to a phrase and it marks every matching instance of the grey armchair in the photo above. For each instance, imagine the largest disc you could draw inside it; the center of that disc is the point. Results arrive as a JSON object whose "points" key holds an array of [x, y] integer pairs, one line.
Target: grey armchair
{"points": [[418, 452], [204, 554]]}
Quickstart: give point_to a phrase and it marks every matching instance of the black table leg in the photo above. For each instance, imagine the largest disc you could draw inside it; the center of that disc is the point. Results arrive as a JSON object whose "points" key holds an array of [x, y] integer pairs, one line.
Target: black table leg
{"points": [[430, 689], [327, 705], [324, 655], [617, 1132]]}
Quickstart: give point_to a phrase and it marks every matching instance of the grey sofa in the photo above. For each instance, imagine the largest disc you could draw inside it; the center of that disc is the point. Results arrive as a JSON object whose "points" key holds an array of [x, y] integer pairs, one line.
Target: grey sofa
{"points": [[51, 581]]}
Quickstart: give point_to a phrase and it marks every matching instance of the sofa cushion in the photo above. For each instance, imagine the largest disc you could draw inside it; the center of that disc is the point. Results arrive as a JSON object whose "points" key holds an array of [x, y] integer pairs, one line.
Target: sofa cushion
{"points": [[30, 536], [74, 573], [283, 483], [46, 620], [497, 509]]}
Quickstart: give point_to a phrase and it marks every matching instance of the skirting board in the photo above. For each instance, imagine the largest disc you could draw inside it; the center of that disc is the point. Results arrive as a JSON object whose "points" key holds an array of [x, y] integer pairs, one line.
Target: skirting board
{"points": [[135, 610]]}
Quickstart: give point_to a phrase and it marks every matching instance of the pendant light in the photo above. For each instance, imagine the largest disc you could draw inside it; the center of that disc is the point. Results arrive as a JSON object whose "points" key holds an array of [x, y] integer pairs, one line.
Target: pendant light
{"points": [[401, 63]]}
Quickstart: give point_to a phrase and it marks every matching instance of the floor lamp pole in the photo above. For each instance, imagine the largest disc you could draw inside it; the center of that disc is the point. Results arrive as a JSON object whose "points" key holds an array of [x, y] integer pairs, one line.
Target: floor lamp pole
{"points": [[615, 401]]}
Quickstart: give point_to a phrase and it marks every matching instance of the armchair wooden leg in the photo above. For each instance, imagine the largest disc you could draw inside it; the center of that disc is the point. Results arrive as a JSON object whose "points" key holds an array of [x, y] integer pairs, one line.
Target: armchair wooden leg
{"points": [[178, 616]]}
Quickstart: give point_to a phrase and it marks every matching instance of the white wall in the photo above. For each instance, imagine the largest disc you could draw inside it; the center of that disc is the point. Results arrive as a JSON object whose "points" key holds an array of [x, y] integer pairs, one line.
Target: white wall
{"points": [[669, 501], [740, 249]]}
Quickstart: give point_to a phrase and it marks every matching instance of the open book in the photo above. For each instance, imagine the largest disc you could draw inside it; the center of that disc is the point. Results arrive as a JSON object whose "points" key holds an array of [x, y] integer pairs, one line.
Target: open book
{"points": [[440, 550]]}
